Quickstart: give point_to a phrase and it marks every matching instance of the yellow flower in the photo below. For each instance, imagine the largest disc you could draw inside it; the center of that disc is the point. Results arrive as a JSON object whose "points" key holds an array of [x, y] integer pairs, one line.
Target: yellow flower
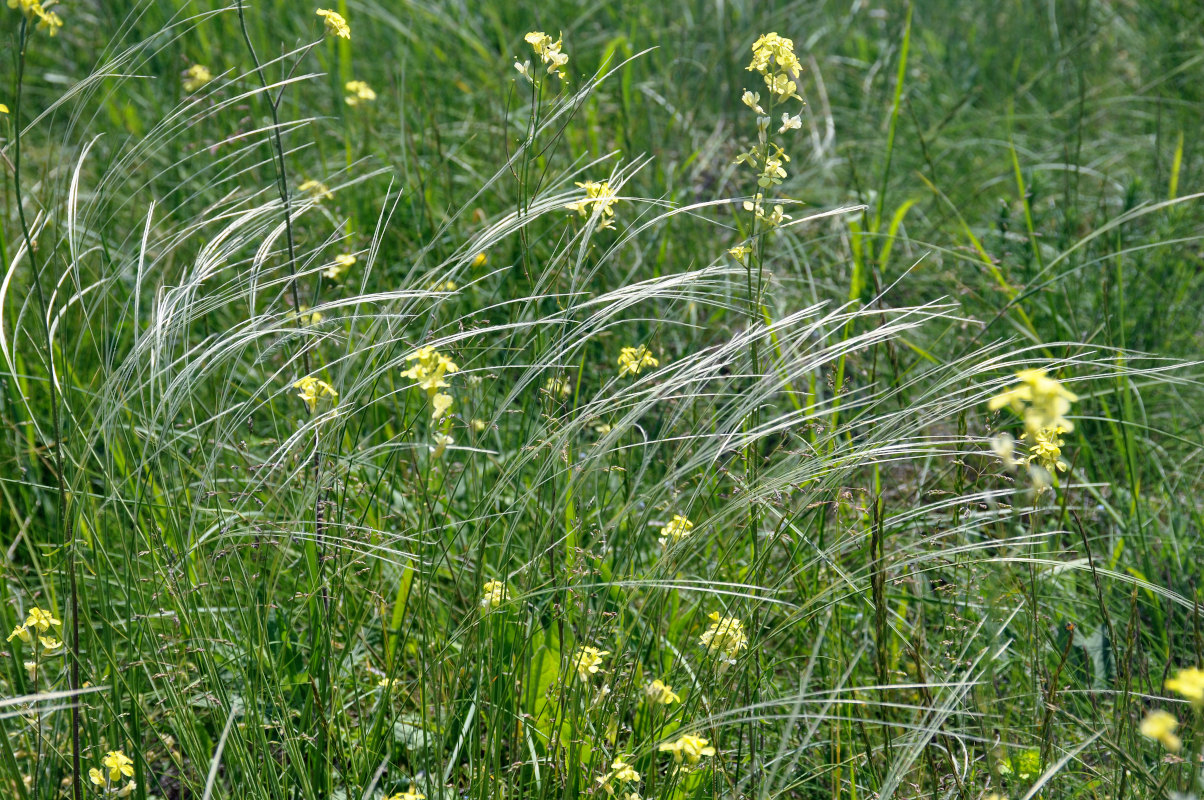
{"points": [[310, 318], [478, 425], [688, 749], [603, 198], [358, 92], [634, 359], [342, 263], [429, 369], [196, 76], [661, 692], [1046, 449], [335, 24], [316, 189], [118, 764], [588, 661], [445, 286], [31, 669], [678, 528], [3, 108], [314, 388], [1190, 684], [740, 252], [41, 619], [548, 51], [620, 772], [726, 635], [48, 20], [772, 50], [20, 632], [440, 403], [96, 776], [790, 123], [495, 594], [1160, 726], [412, 794], [50, 643], [481, 260], [558, 387], [1041, 400]]}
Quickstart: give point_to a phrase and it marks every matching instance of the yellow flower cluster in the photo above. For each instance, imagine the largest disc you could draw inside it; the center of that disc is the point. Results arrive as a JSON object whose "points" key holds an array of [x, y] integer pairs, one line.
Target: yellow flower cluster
{"points": [[495, 593], [1160, 726], [634, 359], [688, 750], [661, 693], [1041, 400], [548, 52], [358, 92], [196, 76], [313, 389], [412, 794], [114, 766], [342, 263], [1189, 683], [1046, 449], [620, 775], [40, 621], [34, 11], [678, 528], [335, 24], [774, 58], [429, 369], [725, 636], [316, 190], [587, 661], [603, 198]]}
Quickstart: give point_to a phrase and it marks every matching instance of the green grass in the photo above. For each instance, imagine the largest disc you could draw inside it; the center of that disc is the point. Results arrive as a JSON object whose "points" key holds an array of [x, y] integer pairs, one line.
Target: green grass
{"points": [[263, 602]]}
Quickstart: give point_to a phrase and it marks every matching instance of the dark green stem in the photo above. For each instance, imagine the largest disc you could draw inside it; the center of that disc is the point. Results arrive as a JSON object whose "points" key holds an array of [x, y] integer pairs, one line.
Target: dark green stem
{"points": [[77, 788]]}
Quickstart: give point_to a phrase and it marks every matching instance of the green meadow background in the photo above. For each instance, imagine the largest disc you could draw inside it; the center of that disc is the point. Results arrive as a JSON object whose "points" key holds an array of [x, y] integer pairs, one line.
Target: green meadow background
{"points": [[263, 601]]}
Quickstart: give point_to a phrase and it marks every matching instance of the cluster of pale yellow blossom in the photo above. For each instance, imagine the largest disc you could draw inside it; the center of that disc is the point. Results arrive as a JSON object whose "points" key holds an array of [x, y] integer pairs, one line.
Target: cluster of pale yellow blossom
{"points": [[602, 197], [114, 768], [620, 780], [1160, 725], [724, 638], [412, 794], [1042, 402], [313, 389], [494, 594], [429, 369], [774, 59], [342, 263], [38, 621], [358, 92], [633, 359], [196, 76], [548, 52], [36, 12], [677, 529], [335, 24], [687, 750], [316, 190]]}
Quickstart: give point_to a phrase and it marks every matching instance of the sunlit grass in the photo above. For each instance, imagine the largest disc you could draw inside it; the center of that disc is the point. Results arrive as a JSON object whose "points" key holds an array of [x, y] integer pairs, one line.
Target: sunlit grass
{"points": [[428, 426]]}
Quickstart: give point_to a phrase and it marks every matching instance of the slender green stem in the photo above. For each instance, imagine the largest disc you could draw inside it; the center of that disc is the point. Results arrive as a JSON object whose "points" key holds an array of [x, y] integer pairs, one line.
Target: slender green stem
{"points": [[56, 423], [281, 178]]}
